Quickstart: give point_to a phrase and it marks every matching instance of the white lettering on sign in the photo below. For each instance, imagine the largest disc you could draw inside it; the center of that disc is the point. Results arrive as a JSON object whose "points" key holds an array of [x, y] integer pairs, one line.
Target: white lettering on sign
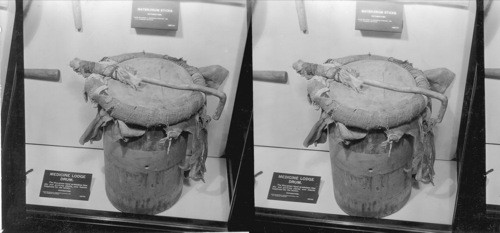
{"points": [[79, 176], [288, 177], [372, 11], [307, 178], [154, 9], [59, 174], [379, 12], [295, 182]]}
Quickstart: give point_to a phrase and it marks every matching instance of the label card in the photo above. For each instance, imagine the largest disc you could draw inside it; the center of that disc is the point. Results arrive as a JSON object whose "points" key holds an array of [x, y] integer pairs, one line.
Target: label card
{"points": [[379, 16], [155, 14], [297, 188], [66, 185]]}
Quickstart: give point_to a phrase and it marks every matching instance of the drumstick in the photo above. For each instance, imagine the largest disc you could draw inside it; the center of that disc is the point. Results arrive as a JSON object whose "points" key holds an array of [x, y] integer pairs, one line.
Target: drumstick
{"points": [[415, 90], [310, 69], [123, 75], [193, 87]]}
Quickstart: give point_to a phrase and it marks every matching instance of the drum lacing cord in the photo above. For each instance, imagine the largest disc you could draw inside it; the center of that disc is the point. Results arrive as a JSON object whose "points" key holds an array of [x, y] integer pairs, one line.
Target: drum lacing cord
{"points": [[390, 140]]}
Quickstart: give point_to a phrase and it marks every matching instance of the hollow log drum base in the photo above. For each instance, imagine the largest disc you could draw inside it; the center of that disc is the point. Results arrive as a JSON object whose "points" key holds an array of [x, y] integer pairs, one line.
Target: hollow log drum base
{"points": [[141, 177], [368, 181]]}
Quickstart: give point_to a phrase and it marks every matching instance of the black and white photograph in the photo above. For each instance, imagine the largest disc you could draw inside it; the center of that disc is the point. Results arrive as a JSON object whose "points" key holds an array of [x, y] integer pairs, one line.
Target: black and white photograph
{"points": [[369, 101], [128, 106], [250, 115]]}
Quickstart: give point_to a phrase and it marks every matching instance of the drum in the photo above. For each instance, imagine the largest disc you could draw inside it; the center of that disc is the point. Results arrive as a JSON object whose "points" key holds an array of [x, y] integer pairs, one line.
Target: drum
{"points": [[140, 176], [152, 119], [376, 112]]}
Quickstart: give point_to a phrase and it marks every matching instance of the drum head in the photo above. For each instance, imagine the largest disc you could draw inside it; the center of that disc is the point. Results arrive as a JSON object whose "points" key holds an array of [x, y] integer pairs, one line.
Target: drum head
{"points": [[149, 104], [374, 98], [153, 96], [374, 107]]}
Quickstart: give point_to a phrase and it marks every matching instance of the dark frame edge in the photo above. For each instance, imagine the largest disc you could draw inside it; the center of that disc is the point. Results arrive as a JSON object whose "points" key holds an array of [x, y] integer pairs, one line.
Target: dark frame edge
{"points": [[13, 135], [240, 143], [117, 220], [470, 202]]}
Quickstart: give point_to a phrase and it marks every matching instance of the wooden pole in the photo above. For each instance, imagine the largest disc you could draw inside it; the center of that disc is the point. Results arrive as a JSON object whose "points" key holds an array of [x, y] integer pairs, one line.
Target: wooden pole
{"points": [[270, 76], [77, 15], [52, 75], [301, 12], [492, 73]]}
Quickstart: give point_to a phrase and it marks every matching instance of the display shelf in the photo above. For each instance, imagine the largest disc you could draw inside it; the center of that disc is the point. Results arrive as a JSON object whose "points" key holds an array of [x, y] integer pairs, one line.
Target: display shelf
{"points": [[200, 202], [430, 207]]}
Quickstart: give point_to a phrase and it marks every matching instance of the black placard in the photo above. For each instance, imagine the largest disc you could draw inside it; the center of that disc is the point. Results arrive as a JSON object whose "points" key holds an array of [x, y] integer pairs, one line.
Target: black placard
{"points": [[292, 187], [66, 185], [379, 16], [155, 14]]}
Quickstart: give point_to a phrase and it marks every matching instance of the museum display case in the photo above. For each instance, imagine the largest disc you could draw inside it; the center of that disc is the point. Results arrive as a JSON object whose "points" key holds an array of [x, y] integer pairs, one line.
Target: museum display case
{"points": [[388, 92], [127, 123], [492, 83], [132, 116]]}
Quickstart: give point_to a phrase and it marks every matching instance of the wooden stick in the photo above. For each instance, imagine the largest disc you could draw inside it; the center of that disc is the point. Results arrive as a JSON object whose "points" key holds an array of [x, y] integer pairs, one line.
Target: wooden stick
{"points": [[308, 69], [77, 15], [193, 87], [415, 90], [492, 73], [270, 76], [301, 12], [88, 67], [52, 75]]}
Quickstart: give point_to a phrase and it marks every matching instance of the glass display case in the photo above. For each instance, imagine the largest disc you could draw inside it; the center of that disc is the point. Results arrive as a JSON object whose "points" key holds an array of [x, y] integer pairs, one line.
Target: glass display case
{"points": [[492, 83], [321, 52], [359, 116], [129, 180]]}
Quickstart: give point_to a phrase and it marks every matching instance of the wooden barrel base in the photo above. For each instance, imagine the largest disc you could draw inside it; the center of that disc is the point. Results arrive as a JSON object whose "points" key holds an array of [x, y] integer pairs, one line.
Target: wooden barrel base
{"points": [[368, 182], [143, 175], [149, 205], [377, 206]]}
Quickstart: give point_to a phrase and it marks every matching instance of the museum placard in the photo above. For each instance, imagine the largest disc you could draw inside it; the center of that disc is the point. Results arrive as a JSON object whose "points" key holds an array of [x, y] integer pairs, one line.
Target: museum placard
{"points": [[296, 188], [66, 185], [379, 16], [155, 14]]}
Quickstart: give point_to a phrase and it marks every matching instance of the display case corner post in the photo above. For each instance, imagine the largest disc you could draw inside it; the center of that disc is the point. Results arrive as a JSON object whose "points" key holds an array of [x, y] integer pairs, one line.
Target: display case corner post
{"points": [[240, 147], [13, 139], [470, 202]]}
